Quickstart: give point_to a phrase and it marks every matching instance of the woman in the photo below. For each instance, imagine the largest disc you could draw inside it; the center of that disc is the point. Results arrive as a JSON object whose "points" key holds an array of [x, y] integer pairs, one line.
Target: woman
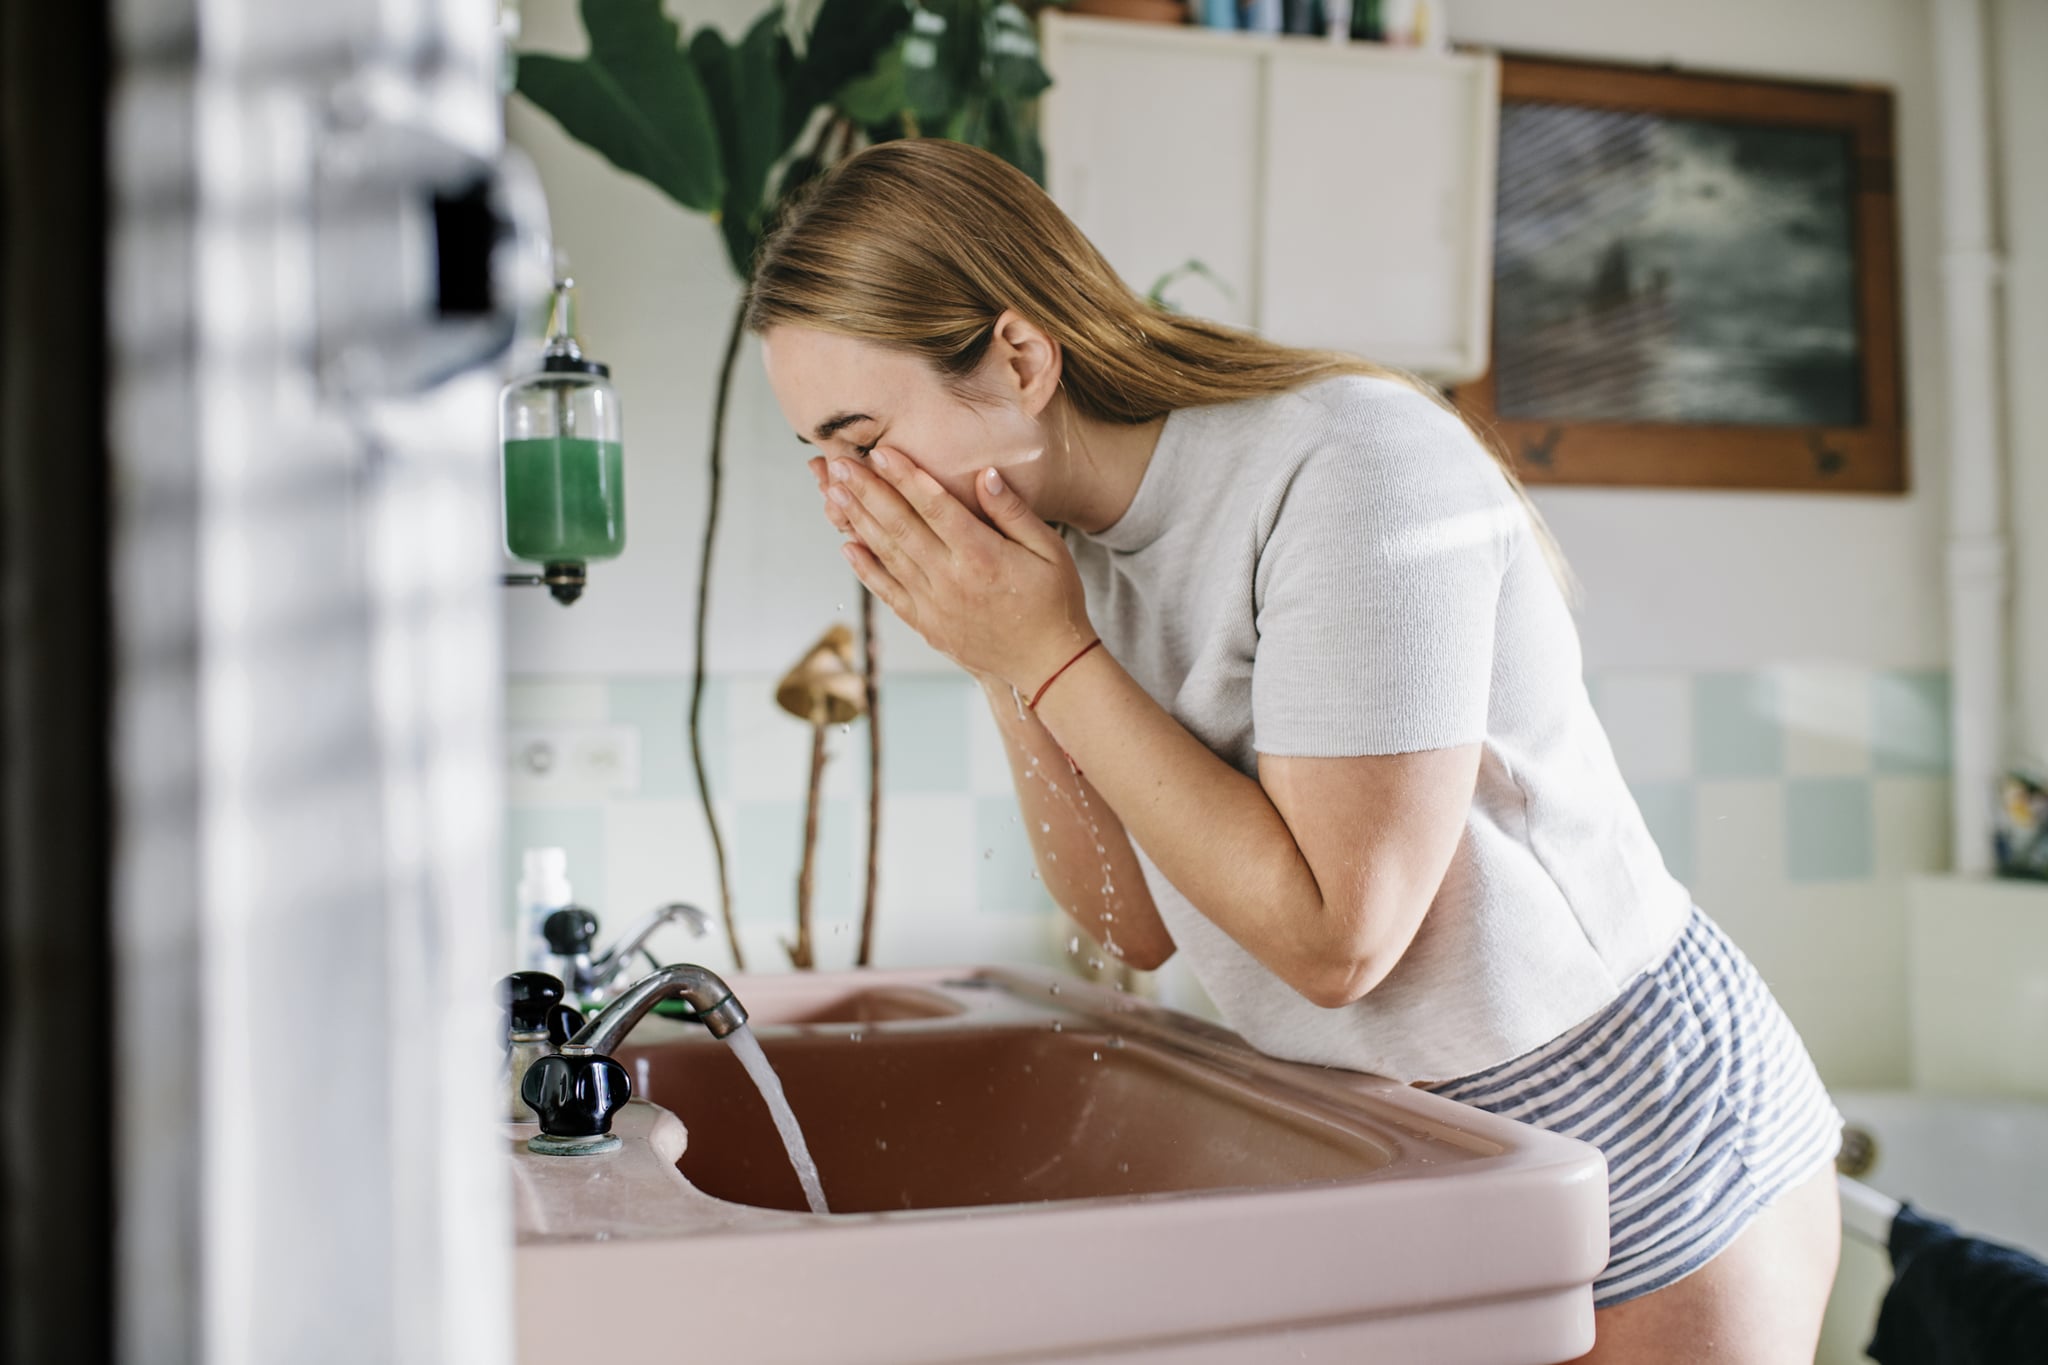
{"points": [[1294, 689]]}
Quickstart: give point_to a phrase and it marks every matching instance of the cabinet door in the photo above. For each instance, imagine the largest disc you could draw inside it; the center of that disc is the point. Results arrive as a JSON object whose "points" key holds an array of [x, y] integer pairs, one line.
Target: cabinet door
{"points": [[1152, 149], [1377, 212]]}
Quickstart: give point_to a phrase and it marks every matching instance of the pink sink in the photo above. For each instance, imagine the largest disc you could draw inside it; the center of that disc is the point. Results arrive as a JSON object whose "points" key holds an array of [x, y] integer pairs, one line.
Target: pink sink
{"points": [[1019, 1175]]}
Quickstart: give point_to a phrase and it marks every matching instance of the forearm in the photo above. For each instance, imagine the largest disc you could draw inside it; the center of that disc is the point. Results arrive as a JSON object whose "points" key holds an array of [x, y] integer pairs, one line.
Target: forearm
{"points": [[1211, 829], [1083, 853]]}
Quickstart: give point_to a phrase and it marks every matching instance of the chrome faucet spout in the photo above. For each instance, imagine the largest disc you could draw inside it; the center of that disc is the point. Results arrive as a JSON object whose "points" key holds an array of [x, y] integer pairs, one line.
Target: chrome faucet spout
{"points": [[615, 959], [718, 1009]]}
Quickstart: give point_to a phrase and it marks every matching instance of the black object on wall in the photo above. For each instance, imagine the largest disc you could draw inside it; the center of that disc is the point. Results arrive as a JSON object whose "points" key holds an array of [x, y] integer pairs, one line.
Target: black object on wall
{"points": [[56, 1204]]}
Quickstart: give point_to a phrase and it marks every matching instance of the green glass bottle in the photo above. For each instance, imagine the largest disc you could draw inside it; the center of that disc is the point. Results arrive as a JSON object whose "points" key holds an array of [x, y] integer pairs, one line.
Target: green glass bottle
{"points": [[563, 461]]}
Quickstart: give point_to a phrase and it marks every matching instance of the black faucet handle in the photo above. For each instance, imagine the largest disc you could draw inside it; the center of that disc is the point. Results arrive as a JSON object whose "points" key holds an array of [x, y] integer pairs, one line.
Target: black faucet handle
{"points": [[530, 999], [575, 1094], [563, 1021], [570, 931]]}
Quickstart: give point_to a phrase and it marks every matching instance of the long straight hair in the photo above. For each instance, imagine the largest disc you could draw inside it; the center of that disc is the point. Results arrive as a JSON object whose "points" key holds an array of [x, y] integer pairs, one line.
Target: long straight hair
{"points": [[921, 244]]}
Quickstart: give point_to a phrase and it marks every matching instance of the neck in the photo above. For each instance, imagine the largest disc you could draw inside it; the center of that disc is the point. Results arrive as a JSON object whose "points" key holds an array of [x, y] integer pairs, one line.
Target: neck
{"points": [[1094, 469]]}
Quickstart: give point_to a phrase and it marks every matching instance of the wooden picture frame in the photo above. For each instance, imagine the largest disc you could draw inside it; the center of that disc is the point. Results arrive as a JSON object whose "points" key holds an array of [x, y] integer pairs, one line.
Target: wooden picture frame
{"points": [[1604, 380]]}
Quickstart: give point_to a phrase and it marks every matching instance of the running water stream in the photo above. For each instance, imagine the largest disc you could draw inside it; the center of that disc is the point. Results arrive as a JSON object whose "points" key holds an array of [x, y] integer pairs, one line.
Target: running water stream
{"points": [[748, 1049]]}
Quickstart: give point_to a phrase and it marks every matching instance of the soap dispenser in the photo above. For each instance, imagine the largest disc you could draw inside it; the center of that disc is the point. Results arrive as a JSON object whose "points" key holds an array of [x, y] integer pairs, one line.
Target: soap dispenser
{"points": [[563, 462]]}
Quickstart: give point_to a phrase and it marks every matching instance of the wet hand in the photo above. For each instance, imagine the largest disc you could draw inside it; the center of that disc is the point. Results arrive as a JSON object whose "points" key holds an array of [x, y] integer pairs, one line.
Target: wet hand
{"points": [[1000, 599]]}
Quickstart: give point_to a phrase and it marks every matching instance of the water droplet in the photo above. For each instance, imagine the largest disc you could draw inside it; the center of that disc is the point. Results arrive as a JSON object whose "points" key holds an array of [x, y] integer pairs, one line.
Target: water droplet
{"points": [[1096, 1055], [840, 607], [1123, 1166], [881, 1144], [848, 729], [1100, 849], [1052, 857], [1074, 943], [1055, 1026], [1108, 917], [1044, 828], [1119, 985], [1094, 964], [1034, 874], [1055, 989], [988, 853], [854, 1036]]}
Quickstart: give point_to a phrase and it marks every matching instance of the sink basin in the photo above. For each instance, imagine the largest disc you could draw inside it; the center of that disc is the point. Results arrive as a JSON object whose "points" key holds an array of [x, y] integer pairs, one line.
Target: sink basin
{"points": [[1025, 1167], [956, 1119]]}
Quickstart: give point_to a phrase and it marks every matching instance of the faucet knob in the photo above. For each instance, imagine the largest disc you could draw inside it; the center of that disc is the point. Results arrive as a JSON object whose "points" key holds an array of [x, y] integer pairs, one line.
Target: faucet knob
{"points": [[563, 1021], [575, 1094], [570, 931], [530, 999]]}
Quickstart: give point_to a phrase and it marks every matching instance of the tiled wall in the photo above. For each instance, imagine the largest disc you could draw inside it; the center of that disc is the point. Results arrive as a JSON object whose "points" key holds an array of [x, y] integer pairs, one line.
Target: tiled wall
{"points": [[1795, 803]]}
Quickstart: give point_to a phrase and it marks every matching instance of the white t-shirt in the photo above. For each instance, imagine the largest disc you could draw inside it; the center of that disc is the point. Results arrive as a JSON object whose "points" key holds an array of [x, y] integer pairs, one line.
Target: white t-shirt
{"points": [[1344, 570]]}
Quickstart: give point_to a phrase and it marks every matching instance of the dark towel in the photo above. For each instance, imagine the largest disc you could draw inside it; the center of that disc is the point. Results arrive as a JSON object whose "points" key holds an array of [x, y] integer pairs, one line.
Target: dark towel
{"points": [[1958, 1300]]}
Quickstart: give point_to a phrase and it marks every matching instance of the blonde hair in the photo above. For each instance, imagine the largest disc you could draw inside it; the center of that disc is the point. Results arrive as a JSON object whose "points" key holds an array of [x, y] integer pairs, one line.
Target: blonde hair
{"points": [[921, 244]]}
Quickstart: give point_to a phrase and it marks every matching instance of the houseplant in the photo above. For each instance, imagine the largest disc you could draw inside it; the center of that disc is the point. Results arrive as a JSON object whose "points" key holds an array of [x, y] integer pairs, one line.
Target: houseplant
{"points": [[728, 129]]}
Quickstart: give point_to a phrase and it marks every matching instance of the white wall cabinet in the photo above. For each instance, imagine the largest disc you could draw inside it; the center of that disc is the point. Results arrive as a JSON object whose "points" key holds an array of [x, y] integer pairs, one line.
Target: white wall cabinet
{"points": [[1343, 192]]}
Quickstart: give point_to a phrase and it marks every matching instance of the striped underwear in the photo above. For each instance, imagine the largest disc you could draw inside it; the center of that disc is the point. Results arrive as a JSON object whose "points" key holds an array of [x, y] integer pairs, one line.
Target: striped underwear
{"points": [[1696, 1088]]}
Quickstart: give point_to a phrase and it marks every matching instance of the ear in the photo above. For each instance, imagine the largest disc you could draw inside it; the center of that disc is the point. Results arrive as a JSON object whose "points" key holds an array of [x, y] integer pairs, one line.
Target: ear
{"points": [[1030, 359]]}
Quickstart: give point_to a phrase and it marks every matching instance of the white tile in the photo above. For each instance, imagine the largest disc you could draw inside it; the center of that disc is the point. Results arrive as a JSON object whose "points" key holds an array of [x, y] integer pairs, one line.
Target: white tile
{"points": [[1648, 718], [544, 701], [987, 763], [1740, 834], [1826, 716], [928, 869], [1979, 986], [962, 940], [1913, 825], [656, 852], [1834, 955], [770, 750]]}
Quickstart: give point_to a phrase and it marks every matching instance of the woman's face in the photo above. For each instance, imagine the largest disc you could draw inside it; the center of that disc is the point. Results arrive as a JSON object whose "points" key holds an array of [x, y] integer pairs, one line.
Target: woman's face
{"points": [[845, 396]]}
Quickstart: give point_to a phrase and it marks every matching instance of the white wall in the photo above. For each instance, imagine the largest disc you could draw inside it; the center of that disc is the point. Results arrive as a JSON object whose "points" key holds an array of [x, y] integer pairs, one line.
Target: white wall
{"points": [[1686, 579], [2020, 60], [657, 298]]}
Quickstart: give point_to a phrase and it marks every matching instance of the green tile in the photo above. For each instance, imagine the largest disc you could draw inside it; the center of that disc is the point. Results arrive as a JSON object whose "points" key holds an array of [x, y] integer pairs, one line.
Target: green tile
{"points": [[1830, 825], [1003, 862], [924, 734], [1735, 726], [1668, 808], [766, 843], [1909, 722], [659, 708], [577, 830]]}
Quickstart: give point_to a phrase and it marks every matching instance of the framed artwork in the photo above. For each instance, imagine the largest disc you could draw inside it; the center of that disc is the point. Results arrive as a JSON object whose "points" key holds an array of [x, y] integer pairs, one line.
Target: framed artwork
{"points": [[1695, 282]]}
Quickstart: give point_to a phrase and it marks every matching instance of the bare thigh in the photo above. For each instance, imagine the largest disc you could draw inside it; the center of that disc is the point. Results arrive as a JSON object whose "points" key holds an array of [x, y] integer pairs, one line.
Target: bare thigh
{"points": [[1758, 1303]]}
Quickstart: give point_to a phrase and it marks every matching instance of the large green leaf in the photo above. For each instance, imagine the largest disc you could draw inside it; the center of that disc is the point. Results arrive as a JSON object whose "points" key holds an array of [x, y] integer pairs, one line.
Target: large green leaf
{"points": [[847, 39], [1014, 70], [636, 100], [744, 85], [879, 96]]}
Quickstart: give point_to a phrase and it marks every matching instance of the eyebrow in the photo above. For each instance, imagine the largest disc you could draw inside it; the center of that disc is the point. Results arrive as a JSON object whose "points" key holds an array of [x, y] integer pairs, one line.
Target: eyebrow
{"points": [[825, 429]]}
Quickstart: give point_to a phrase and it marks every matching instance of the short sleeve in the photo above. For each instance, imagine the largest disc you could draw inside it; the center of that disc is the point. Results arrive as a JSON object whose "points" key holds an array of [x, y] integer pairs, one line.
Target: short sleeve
{"points": [[1379, 580]]}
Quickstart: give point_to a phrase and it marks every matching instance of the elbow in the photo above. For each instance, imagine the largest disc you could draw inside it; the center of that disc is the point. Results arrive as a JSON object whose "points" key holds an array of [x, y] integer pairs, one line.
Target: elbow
{"points": [[1149, 957], [1346, 971], [1342, 979]]}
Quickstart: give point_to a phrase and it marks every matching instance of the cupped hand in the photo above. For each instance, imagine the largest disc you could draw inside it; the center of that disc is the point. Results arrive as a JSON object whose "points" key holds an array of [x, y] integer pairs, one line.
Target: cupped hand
{"points": [[1002, 599]]}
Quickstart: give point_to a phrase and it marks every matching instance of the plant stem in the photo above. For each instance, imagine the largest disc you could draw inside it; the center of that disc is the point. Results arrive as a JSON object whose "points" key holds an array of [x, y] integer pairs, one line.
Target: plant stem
{"points": [[800, 955], [732, 350], [871, 676]]}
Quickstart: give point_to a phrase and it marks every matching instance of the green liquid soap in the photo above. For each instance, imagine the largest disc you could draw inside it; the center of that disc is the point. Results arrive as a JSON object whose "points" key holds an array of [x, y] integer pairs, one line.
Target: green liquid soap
{"points": [[564, 499]]}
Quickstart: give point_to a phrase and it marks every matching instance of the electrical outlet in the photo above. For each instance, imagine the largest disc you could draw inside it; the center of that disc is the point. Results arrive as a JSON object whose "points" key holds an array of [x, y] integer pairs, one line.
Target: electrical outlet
{"points": [[565, 765]]}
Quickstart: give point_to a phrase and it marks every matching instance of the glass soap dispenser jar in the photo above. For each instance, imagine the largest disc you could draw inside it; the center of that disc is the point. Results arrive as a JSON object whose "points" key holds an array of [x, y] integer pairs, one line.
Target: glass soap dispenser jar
{"points": [[563, 461]]}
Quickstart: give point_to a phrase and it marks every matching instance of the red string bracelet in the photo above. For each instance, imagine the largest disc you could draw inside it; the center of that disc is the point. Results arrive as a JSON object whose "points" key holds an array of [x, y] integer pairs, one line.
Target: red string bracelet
{"points": [[1033, 703]]}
